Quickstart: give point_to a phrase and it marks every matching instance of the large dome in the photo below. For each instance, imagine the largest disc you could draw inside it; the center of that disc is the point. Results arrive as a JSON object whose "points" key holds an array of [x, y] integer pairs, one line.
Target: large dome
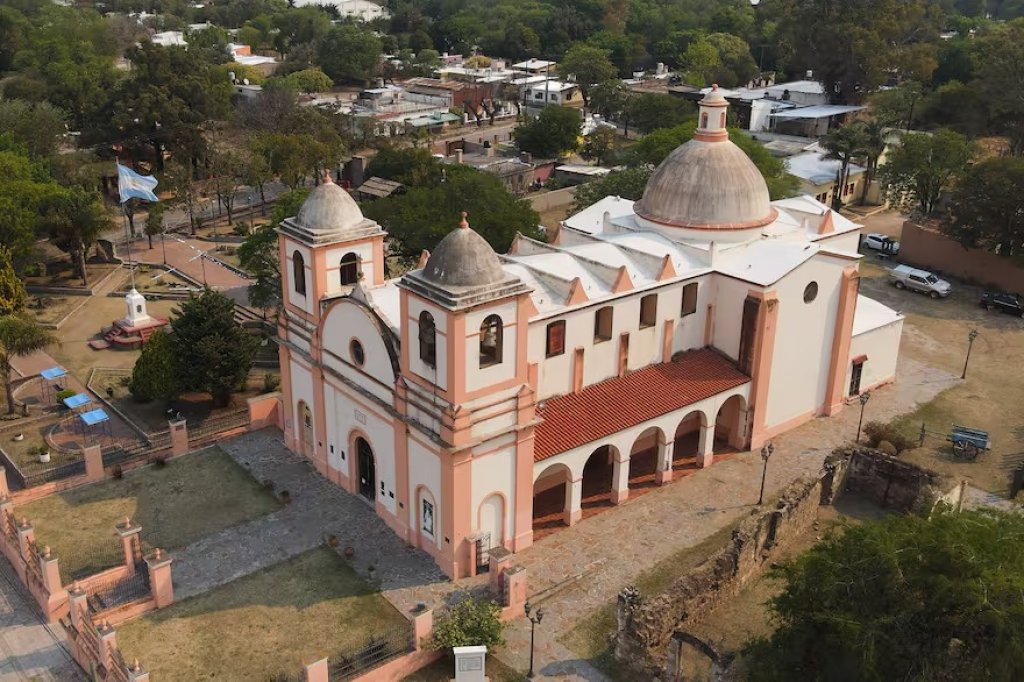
{"points": [[329, 209], [707, 185], [463, 259]]}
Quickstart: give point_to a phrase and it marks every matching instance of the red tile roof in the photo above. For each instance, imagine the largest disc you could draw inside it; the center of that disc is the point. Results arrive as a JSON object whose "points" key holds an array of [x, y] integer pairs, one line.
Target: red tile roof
{"points": [[603, 409]]}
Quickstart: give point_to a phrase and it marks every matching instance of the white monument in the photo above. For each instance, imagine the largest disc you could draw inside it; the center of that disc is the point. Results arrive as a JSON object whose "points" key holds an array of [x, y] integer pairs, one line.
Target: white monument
{"points": [[137, 315], [469, 663]]}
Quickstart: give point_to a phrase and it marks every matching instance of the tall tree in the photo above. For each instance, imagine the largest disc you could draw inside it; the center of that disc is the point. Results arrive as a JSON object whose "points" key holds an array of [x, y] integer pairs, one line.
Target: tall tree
{"points": [[628, 183], [588, 65], [987, 208], [873, 145], [555, 131], [922, 167], [904, 598], [349, 52], [649, 111], [154, 221], [25, 191], [842, 145], [259, 254], [155, 374], [74, 219], [38, 127], [13, 296], [609, 98], [19, 336], [212, 351]]}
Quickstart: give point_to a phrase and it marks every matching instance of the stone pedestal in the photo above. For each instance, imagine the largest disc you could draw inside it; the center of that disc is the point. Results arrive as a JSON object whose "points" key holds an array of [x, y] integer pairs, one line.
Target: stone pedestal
{"points": [[317, 671], [469, 663], [179, 437], [422, 628], [159, 566], [129, 534], [93, 463]]}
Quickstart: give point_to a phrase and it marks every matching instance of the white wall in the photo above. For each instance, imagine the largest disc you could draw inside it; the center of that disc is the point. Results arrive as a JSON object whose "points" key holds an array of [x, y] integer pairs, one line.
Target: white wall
{"points": [[803, 340], [347, 321], [495, 473], [882, 346], [729, 295], [350, 415], [424, 470], [306, 302], [847, 241], [333, 260]]}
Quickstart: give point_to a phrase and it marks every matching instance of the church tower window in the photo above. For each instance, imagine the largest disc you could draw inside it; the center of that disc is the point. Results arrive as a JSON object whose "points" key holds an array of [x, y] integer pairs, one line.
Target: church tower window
{"points": [[490, 341], [428, 339], [349, 269], [299, 273]]}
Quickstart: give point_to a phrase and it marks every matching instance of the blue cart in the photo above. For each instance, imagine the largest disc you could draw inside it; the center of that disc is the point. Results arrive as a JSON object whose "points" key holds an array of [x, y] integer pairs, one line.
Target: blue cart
{"points": [[967, 443]]}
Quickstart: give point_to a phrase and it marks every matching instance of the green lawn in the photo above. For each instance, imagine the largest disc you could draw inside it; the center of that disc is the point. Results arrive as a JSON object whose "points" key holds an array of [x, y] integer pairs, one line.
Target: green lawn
{"points": [[266, 623], [189, 498]]}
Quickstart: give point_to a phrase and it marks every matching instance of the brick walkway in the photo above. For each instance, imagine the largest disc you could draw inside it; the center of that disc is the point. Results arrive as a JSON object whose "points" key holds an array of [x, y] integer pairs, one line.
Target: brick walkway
{"points": [[183, 255], [318, 509]]}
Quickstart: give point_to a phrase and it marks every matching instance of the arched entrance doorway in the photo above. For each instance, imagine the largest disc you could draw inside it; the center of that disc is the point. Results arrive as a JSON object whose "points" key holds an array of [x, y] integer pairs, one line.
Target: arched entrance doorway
{"points": [[367, 470], [550, 500], [598, 475], [687, 442], [491, 521], [730, 425], [305, 429], [643, 459]]}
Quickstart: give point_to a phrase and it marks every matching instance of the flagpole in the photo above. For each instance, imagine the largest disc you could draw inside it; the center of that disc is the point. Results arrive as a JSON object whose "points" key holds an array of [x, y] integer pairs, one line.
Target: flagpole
{"points": [[128, 241]]}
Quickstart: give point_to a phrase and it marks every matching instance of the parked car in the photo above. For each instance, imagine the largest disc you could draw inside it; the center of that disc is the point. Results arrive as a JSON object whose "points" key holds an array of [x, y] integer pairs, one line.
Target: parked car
{"points": [[1008, 303], [881, 243], [906, 277]]}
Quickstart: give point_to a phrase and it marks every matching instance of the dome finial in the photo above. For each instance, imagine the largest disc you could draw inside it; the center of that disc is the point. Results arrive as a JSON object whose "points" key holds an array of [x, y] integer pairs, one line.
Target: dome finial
{"points": [[464, 223], [714, 86], [327, 177]]}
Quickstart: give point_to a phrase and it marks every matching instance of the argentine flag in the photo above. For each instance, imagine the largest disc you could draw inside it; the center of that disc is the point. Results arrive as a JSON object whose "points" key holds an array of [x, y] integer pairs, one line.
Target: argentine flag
{"points": [[130, 184]]}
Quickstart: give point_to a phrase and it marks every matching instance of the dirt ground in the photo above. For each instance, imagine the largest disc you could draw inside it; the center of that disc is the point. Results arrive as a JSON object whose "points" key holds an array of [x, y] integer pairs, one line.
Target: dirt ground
{"points": [[936, 333]]}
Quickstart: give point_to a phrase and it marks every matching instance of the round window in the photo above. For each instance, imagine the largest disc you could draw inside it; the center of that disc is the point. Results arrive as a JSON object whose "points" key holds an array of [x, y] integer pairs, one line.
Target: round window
{"points": [[810, 292], [356, 349]]}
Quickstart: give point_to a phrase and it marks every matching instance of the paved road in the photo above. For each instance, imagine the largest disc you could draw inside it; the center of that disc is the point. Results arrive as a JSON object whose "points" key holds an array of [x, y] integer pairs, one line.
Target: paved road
{"points": [[29, 649]]}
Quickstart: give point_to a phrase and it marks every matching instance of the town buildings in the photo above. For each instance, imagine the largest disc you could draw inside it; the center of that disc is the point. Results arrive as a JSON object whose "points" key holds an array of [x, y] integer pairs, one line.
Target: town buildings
{"points": [[481, 398]]}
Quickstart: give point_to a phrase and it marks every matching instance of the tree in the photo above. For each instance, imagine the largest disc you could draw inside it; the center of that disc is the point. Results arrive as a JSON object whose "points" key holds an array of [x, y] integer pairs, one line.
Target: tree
{"points": [[987, 208], [309, 80], [180, 179], [649, 111], [19, 336], [551, 134], [348, 52], [903, 598], [470, 622], [154, 222], [599, 144], [626, 184], [212, 351], [588, 65], [609, 98], [155, 375], [38, 127], [420, 218], [1000, 54], [25, 191], [287, 156], [842, 145], [657, 145], [259, 255], [411, 167], [736, 65], [922, 167], [74, 219], [873, 145], [225, 169], [13, 296], [699, 62], [256, 173], [894, 107]]}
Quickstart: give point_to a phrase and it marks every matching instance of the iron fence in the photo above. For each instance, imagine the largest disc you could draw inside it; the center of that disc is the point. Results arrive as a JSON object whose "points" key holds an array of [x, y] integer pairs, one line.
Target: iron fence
{"points": [[218, 424], [376, 650], [123, 591]]}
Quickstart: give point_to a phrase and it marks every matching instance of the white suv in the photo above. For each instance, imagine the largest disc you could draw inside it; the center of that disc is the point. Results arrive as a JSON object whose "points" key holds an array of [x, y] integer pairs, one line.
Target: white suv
{"points": [[882, 243], [906, 277]]}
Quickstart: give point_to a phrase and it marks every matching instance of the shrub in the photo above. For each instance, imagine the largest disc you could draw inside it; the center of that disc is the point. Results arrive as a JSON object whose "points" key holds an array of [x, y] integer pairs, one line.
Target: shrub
{"points": [[242, 228], [877, 432], [888, 448], [64, 394], [471, 622], [270, 382]]}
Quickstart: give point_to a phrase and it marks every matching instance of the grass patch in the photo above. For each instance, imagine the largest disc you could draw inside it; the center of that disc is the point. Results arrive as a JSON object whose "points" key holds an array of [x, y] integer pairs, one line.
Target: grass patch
{"points": [[269, 622], [444, 670], [589, 638], [189, 498]]}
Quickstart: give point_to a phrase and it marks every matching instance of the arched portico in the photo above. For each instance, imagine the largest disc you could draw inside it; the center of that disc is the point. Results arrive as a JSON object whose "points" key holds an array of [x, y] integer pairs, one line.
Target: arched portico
{"points": [[552, 500], [730, 425], [600, 474], [646, 458]]}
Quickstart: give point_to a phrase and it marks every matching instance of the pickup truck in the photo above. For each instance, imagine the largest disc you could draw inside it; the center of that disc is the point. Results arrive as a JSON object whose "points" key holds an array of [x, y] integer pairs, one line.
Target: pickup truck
{"points": [[922, 281], [1007, 303]]}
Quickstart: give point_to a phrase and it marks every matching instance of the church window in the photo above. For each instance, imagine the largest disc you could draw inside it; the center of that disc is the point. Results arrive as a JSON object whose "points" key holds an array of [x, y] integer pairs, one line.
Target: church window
{"points": [[349, 269], [648, 310], [748, 330], [358, 354], [721, 120], [556, 338], [428, 339], [810, 292], [603, 324], [704, 120], [689, 300], [299, 273], [490, 341]]}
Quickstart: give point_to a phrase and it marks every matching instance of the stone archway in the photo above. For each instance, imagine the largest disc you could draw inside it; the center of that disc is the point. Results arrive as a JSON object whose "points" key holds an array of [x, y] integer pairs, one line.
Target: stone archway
{"points": [[551, 496], [730, 425], [599, 478], [643, 459], [686, 448]]}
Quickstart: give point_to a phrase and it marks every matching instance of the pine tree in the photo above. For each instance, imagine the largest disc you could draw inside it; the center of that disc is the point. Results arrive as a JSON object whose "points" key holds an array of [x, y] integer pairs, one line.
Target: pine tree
{"points": [[155, 374], [13, 297]]}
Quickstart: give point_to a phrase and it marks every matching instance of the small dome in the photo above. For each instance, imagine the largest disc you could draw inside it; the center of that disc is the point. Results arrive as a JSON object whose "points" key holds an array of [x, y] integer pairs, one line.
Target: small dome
{"points": [[707, 185], [463, 259], [329, 209]]}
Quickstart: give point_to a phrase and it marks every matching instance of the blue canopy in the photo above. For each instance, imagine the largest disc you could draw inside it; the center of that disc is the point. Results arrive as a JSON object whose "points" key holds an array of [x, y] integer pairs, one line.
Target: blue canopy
{"points": [[53, 373], [77, 400], [94, 417]]}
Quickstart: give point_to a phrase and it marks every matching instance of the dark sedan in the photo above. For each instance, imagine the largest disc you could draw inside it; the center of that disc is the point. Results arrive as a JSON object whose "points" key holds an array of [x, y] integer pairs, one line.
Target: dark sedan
{"points": [[1008, 303]]}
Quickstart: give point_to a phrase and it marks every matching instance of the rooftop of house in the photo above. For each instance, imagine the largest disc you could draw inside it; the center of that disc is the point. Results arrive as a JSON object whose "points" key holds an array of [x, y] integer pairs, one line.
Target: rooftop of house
{"points": [[813, 167]]}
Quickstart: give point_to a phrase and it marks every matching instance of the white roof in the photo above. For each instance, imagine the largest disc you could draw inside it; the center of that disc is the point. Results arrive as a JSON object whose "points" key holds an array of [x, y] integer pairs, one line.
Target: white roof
{"points": [[578, 169], [386, 299], [814, 167], [529, 80], [591, 219], [168, 38], [775, 91], [871, 314], [534, 64], [553, 86], [765, 261], [253, 59], [819, 111]]}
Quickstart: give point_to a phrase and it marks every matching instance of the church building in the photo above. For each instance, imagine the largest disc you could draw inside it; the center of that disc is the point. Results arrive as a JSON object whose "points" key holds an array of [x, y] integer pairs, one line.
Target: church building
{"points": [[483, 398]]}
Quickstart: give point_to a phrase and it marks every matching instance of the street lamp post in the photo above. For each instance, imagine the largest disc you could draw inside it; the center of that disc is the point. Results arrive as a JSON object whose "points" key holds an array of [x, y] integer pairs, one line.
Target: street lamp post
{"points": [[534, 622], [864, 398], [970, 343], [767, 450]]}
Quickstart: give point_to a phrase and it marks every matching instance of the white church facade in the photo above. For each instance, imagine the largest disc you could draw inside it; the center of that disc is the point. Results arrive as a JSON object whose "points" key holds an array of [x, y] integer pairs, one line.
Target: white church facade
{"points": [[482, 398]]}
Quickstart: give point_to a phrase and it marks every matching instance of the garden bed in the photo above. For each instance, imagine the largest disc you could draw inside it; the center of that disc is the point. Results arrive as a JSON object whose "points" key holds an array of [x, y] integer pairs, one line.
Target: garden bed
{"points": [[272, 621], [188, 498]]}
